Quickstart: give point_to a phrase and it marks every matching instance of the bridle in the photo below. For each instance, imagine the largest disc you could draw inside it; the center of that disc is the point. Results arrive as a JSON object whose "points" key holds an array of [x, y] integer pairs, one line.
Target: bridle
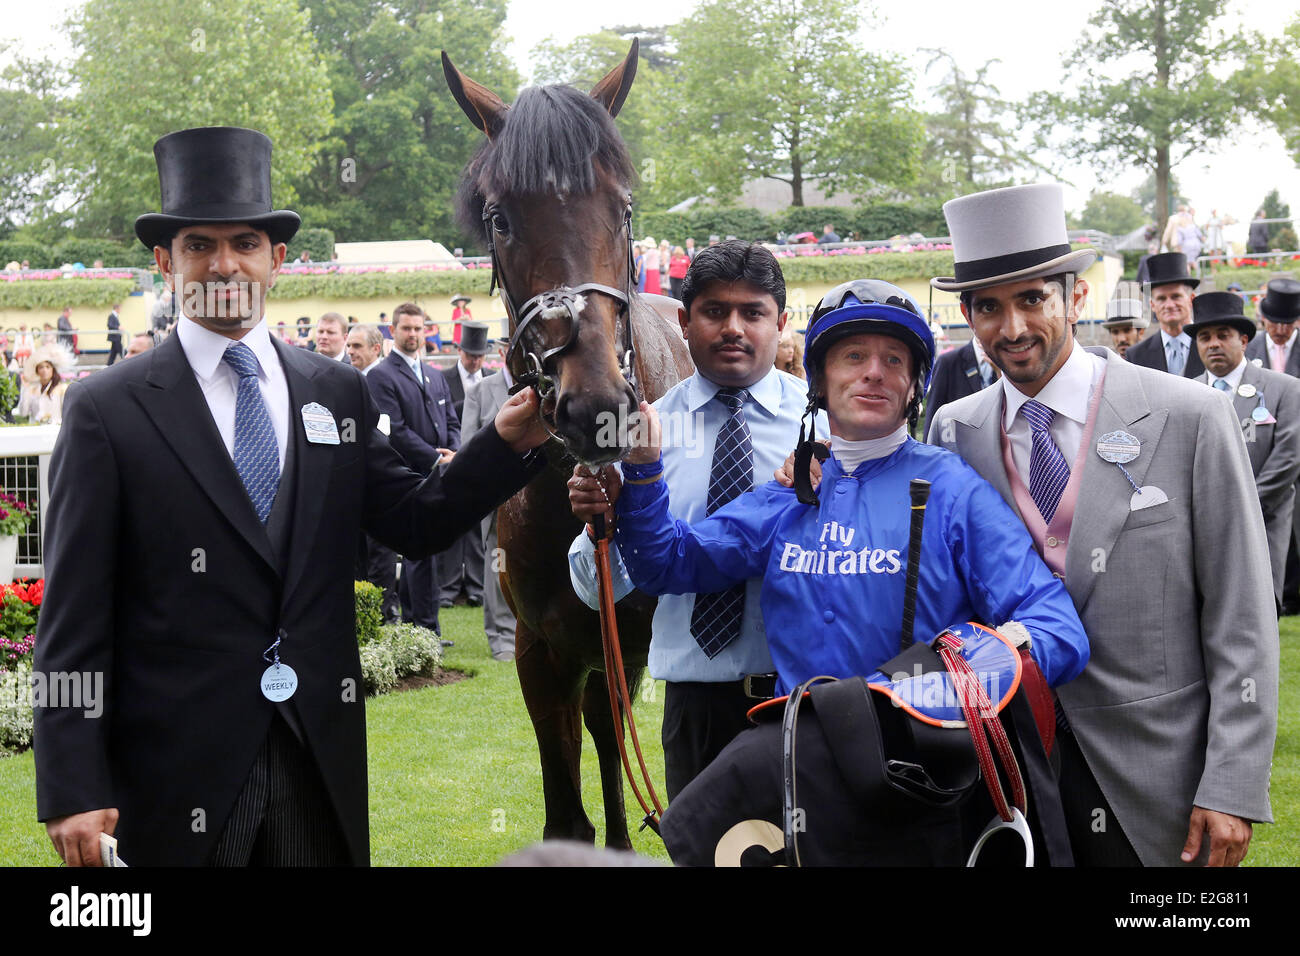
{"points": [[539, 371]]}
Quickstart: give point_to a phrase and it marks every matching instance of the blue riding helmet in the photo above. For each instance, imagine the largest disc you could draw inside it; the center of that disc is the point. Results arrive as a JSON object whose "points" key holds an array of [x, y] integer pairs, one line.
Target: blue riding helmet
{"points": [[868, 306]]}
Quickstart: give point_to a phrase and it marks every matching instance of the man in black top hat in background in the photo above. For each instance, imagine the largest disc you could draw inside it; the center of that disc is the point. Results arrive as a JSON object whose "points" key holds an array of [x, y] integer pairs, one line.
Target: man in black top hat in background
{"points": [[1172, 292], [227, 724], [460, 567], [1267, 404], [1279, 309]]}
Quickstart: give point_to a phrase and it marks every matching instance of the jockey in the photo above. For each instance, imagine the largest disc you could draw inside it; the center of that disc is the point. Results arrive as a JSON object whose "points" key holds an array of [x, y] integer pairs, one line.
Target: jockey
{"points": [[834, 567]]}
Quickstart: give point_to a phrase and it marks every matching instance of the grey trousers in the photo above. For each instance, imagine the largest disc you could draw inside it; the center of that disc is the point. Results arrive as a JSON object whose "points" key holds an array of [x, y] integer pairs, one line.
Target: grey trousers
{"points": [[461, 567], [498, 621], [283, 816]]}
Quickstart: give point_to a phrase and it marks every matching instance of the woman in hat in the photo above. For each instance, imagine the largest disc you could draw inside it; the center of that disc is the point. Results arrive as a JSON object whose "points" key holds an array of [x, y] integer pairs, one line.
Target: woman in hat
{"points": [[459, 313], [651, 266], [834, 565], [41, 400]]}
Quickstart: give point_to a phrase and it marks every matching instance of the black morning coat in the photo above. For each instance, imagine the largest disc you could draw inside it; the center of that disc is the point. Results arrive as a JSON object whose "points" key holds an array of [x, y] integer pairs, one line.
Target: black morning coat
{"points": [[160, 576]]}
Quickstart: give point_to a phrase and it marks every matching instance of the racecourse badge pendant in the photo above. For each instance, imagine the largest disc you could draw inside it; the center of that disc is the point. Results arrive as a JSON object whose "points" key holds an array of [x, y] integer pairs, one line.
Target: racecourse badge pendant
{"points": [[319, 424], [1118, 447], [279, 680]]}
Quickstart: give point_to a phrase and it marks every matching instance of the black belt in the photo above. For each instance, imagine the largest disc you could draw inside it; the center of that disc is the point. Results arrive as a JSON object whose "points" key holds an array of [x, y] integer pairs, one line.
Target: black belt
{"points": [[760, 686]]}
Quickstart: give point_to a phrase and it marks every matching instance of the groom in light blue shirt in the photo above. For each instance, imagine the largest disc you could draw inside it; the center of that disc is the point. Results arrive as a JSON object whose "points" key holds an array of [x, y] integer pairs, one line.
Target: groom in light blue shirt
{"points": [[736, 414]]}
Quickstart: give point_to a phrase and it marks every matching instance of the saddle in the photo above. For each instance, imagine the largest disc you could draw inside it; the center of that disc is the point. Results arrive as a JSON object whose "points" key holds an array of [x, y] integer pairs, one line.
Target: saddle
{"points": [[891, 768]]}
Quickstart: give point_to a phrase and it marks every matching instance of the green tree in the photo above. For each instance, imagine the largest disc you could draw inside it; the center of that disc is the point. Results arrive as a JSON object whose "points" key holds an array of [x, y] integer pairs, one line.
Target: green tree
{"points": [[1270, 81], [397, 142], [584, 61], [1167, 98], [815, 104], [1281, 235], [1111, 213], [1145, 196], [145, 69], [972, 140], [30, 104]]}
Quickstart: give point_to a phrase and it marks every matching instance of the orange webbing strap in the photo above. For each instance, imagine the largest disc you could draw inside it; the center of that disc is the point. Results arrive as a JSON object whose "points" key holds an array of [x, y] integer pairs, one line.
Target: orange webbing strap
{"points": [[981, 720], [620, 706]]}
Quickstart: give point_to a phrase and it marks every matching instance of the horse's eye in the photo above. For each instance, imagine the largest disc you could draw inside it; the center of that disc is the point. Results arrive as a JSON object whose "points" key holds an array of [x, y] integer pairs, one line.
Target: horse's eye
{"points": [[500, 223]]}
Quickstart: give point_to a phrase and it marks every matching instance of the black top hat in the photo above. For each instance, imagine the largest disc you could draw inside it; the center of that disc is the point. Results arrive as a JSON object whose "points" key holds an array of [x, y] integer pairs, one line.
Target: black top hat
{"points": [[1218, 308], [1281, 302], [215, 174], [474, 338], [1167, 268]]}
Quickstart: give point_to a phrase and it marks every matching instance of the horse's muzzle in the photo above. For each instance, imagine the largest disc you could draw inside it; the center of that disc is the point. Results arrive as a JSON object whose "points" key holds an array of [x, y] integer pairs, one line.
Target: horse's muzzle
{"points": [[597, 428]]}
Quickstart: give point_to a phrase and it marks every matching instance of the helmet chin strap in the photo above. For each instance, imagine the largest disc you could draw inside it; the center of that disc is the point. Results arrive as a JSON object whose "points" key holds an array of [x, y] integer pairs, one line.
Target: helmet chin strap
{"points": [[808, 449]]}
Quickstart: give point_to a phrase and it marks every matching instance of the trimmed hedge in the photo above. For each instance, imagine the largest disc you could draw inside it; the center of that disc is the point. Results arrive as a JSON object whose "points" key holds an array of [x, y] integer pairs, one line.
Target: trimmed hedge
{"points": [[56, 293], [72, 249], [890, 266], [877, 220], [381, 285], [370, 610]]}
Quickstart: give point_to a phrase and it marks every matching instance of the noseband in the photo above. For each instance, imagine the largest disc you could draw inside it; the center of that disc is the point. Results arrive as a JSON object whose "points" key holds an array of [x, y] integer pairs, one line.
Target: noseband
{"points": [[539, 371]]}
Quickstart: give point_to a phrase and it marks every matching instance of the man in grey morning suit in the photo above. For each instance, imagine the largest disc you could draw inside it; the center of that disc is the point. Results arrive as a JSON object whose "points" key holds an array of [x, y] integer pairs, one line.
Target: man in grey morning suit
{"points": [[1267, 405], [1176, 713]]}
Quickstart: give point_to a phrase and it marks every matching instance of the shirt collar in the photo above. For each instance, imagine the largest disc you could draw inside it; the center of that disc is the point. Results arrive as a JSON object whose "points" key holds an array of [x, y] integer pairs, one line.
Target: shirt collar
{"points": [[1066, 394], [1233, 378], [766, 392], [1182, 339], [370, 367], [204, 348]]}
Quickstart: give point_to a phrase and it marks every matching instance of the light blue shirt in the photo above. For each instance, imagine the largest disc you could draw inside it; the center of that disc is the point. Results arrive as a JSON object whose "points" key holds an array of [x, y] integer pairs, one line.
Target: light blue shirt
{"points": [[1184, 343], [691, 421]]}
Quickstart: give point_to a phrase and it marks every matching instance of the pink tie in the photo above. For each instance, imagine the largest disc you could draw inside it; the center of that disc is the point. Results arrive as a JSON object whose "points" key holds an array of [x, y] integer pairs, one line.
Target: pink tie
{"points": [[1279, 357]]}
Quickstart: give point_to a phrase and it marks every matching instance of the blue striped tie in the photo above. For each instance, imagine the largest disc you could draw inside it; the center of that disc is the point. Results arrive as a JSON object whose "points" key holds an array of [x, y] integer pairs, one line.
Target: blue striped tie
{"points": [[1176, 360], [715, 620], [257, 454], [1049, 472]]}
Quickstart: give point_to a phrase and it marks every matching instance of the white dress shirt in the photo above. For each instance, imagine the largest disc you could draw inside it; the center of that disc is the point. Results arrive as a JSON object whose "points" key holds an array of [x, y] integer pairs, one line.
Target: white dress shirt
{"points": [[1068, 394], [466, 379], [367, 370], [204, 349], [1233, 378]]}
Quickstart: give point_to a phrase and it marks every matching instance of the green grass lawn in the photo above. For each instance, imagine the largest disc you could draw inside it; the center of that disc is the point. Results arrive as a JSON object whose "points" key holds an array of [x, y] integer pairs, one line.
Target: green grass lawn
{"points": [[455, 778]]}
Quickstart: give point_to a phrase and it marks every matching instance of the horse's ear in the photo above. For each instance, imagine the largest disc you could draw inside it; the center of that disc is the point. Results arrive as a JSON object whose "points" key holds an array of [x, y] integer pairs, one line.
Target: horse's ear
{"points": [[612, 90], [483, 107]]}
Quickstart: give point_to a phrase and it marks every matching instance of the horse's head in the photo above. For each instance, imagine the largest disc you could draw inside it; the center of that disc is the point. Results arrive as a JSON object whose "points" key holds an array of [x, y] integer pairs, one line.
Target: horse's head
{"points": [[551, 190]]}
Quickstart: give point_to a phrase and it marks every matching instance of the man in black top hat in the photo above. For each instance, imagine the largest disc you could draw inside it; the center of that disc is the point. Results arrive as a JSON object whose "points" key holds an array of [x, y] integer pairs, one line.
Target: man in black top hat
{"points": [[460, 567], [1279, 309], [1171, 291], [228, 726], [1267, 404]]}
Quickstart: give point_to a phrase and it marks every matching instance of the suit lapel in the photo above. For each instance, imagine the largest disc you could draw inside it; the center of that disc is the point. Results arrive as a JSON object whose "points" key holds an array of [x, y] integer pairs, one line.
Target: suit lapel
{"points": [[1104, 492], [421, 391], [172, 399], [1244, 406], [311, 471]]}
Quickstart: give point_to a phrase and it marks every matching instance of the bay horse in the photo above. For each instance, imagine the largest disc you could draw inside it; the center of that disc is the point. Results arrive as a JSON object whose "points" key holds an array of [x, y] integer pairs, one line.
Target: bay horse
{"points": [[550, 188]]}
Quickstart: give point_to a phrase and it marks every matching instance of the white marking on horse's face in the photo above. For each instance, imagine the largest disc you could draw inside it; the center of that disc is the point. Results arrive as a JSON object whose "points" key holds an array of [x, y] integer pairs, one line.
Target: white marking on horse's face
{"points": [[560, 311]]}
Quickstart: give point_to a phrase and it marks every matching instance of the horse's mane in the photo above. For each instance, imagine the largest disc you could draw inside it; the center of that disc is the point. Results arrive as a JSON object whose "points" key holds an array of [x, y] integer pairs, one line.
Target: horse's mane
{"points": [[551, 140]]}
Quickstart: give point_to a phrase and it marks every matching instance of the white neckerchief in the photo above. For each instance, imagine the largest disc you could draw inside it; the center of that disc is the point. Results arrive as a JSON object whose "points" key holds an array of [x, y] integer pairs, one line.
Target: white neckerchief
{"points": [[851, 454]]}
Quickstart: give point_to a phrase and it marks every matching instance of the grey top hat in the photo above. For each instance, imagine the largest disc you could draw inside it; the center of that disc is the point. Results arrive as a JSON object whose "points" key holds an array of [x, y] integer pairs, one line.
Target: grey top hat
{"points": [[1006, 235], [474, 338], [1125, 312], [215, 175]]}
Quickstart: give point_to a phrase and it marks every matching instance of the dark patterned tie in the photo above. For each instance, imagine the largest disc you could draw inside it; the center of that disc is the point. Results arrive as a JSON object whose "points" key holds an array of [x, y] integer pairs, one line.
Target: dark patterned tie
{"points": [[715, 621], [1049, 472], [257, 454]]}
